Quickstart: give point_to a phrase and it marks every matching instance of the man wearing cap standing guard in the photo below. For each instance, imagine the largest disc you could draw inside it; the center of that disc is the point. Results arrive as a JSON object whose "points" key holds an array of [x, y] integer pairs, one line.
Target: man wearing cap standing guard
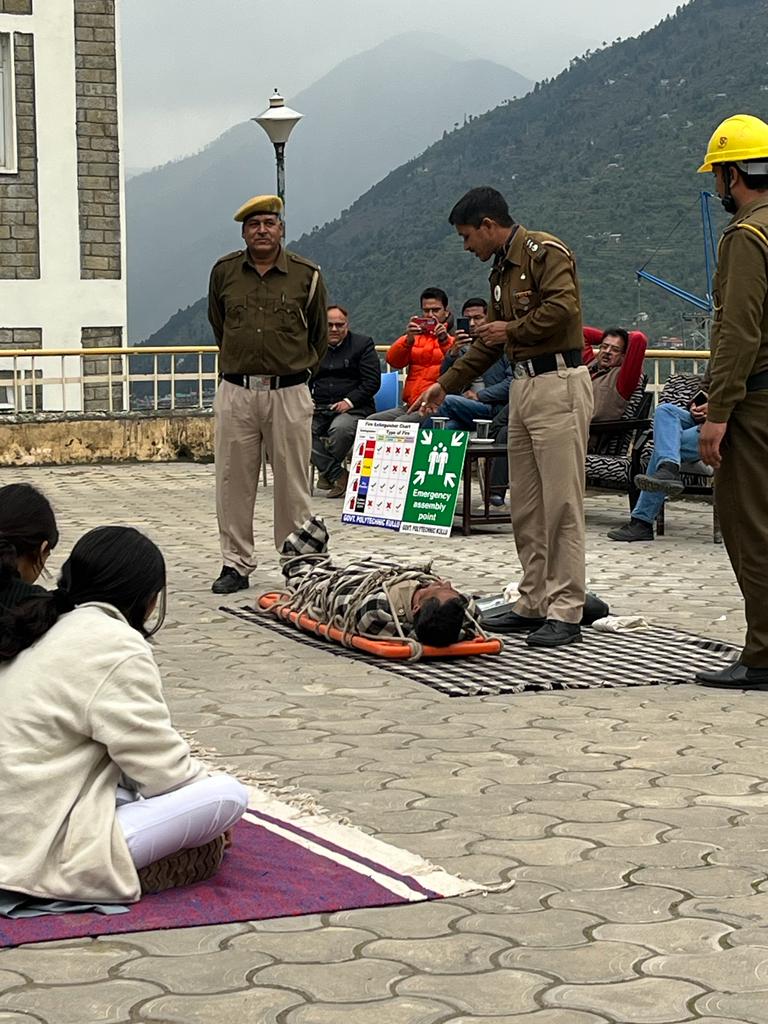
{"points": [[535, 315], [267, 308]]}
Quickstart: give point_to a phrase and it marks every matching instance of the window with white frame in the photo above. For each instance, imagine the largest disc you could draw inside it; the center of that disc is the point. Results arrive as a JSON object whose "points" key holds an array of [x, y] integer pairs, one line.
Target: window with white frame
{"points": [[7, 133]]}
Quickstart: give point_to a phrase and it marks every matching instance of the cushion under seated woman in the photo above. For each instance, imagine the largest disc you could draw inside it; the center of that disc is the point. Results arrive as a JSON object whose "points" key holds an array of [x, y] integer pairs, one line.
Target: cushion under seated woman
{"points": [[85, 726]]}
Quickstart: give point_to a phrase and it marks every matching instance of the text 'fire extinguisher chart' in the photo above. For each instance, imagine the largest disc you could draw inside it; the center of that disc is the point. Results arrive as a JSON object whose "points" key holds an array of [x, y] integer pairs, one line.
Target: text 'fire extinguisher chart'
{"points": [[406, 479]]}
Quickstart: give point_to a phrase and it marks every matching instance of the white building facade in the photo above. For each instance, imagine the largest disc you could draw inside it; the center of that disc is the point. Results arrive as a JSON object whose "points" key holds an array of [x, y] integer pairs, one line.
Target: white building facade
{"points": [[62, 241]]}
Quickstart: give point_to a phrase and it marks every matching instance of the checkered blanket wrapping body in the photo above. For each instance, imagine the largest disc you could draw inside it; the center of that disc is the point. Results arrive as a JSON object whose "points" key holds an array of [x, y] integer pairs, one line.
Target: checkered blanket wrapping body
{"points": [[305, 560], [603, 661]]}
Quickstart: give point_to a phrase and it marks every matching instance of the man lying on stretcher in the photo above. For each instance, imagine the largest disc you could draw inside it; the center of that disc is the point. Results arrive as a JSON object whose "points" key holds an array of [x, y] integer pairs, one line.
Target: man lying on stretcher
{"points": [[372, 598]]}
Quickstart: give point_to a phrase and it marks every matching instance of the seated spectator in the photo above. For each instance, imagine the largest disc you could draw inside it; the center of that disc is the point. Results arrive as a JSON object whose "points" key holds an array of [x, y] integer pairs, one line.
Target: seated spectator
{"points": [[615, 373], [615, 370], [490, 393], [498, 477], [421, 349], [675, 440], [372, 598], [343, 391], [28, 534], [101, 797]]}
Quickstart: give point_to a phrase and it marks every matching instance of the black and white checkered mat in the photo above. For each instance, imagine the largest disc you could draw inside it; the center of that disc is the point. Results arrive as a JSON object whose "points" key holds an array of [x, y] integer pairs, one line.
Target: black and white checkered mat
{"points": [[647, 657]]}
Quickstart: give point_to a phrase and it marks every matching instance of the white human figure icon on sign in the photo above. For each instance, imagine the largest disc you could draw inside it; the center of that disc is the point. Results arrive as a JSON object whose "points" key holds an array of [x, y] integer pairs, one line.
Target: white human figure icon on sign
{"points": [[438, 460]]}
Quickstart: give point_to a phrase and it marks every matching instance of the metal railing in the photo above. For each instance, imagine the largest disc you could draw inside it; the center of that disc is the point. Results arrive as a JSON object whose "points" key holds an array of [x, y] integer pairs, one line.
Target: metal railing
{"points": [[174, 377]]}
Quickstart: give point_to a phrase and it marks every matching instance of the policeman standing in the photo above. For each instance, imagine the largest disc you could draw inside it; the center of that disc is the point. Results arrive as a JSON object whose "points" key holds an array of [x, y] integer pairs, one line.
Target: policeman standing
{"points": [[266, 306], [734, 438], [535, 314]]}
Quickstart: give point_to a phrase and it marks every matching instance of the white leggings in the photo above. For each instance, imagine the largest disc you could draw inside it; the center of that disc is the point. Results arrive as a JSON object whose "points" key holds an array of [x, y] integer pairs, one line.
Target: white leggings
{"points": [[187, 817]]}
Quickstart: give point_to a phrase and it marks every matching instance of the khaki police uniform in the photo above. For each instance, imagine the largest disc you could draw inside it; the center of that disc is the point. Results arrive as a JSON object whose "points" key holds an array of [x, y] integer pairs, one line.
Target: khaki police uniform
{"points": [[534, 289], [738, 395], [272, 333]]}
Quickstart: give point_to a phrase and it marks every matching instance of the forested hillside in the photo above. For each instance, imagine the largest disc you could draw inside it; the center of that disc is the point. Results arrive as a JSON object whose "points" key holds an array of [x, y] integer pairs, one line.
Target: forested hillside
{"points": [[605, 156]]}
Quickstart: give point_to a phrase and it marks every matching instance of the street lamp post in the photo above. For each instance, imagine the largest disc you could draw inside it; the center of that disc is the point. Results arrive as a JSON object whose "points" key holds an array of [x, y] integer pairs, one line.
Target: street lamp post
{"points": [[278, 121]]}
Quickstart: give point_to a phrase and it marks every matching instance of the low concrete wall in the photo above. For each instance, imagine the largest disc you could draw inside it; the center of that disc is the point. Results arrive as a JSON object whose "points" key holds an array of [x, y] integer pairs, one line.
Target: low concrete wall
{"points": [[60, 439]]}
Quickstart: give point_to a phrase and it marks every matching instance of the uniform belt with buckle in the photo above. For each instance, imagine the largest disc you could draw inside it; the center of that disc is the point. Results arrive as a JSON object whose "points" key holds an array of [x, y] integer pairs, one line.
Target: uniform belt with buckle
{"points": [[547, 363], [264, 382]]}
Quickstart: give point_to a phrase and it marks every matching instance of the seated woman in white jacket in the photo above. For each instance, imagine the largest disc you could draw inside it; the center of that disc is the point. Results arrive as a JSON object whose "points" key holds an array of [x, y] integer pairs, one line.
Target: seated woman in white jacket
{"points": [[101, 797]]}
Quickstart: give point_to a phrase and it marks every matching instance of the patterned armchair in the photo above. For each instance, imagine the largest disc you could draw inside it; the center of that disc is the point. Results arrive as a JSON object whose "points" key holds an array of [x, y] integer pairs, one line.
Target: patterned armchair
{"points": [[697, 478], [615, 462]]}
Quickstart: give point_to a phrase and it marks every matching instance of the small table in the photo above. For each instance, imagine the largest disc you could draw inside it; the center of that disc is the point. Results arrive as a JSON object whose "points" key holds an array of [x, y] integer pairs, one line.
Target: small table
{"points": [[477, 450]]}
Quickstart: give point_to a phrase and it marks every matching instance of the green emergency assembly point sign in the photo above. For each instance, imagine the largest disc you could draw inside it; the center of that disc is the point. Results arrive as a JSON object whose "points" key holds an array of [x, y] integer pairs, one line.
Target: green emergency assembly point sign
{"points": [[436, 475]]}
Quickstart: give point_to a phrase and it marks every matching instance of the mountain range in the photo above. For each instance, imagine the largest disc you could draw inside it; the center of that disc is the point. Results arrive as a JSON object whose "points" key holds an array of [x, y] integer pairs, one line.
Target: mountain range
{"points": [[368, 115], [604, 155]]}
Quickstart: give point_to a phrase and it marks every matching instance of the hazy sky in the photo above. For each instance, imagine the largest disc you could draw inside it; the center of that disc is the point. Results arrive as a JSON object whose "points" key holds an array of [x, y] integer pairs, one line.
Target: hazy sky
{"points": [[192, 68]]}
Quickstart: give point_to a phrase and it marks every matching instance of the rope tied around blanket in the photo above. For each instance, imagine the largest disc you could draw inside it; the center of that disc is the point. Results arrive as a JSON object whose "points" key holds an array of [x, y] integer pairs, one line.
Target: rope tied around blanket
{"points": [[315, 597]]}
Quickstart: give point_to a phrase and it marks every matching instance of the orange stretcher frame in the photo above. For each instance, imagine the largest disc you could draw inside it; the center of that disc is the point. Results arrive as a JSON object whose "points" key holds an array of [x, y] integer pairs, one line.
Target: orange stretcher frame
{"points": [[389, 648]]}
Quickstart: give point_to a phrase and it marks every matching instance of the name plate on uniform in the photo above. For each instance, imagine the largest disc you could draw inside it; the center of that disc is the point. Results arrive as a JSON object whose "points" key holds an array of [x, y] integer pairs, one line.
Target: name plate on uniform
{"points": [[404, 478]]}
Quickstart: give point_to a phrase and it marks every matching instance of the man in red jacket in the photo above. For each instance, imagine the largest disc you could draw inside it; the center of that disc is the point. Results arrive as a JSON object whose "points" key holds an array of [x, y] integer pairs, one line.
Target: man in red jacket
{"points": [[421, 349]]}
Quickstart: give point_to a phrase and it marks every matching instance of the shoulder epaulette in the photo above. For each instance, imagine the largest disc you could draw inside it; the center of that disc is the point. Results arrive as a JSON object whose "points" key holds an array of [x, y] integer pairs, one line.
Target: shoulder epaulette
{"points": [[534, 249], [554, 244], [237, 254], [758, 232], [301, 259]]}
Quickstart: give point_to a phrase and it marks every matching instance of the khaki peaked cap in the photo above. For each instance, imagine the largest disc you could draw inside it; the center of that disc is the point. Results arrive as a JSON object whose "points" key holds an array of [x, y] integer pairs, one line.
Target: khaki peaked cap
{"points": [[260, 204]]}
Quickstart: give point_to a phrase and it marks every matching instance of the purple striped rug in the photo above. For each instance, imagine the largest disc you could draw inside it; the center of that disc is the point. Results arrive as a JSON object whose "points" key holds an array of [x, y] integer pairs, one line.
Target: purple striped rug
{"points": [[282, 864]]}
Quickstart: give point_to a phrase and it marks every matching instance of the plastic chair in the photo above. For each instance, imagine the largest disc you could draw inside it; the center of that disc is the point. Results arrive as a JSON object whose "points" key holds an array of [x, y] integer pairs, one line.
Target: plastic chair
{"points": [[388, 395]]}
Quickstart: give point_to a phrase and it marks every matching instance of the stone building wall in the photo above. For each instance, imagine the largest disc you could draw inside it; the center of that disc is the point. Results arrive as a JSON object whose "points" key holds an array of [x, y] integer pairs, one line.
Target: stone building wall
{"points": [[19, 239], [96, 396], [98, 154]]}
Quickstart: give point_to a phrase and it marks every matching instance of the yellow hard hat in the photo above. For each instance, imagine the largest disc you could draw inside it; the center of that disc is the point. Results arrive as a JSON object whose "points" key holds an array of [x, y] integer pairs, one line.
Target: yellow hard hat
{"points": [[740, 137]]}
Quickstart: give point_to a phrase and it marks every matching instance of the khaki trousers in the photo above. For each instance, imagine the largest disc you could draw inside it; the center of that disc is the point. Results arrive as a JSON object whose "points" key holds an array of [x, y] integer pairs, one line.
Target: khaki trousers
{"points": [[281, 420], [741, 497], [547, 439]]}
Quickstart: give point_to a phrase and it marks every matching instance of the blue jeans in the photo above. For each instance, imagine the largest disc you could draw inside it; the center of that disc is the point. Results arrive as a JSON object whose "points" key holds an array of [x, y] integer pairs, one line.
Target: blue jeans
{"points": [[462, 411], [675, 439]]}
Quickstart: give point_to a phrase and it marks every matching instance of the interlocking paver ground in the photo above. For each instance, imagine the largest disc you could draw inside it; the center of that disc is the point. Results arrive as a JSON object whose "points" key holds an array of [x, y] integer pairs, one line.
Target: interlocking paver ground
{"points": [[633, 821]]}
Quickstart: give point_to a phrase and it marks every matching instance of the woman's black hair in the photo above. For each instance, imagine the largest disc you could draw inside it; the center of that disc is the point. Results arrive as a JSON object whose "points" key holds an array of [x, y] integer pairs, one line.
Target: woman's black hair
{"points": [[26, 522], [115, 565]]}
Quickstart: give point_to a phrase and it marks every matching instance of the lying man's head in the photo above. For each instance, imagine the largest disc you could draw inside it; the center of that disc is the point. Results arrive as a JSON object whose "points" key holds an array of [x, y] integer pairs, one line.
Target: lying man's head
{"points": [[438, 614]]}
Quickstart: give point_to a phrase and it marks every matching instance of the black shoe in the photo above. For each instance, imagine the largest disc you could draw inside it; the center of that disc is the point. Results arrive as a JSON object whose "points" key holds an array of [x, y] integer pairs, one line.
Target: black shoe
{"points": [[505, 620], [555, 634], [635, 529], [229, 581], [739, 677], [665, 479], [594, 608], [731, 675]]}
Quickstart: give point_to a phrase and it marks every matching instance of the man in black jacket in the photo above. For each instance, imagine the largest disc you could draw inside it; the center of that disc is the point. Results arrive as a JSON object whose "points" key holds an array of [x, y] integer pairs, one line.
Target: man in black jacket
{"points": [[343, 391]]}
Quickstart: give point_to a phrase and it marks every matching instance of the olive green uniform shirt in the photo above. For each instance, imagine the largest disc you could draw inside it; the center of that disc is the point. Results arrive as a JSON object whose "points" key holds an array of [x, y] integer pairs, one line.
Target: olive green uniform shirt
{"points": [[275, 324], [534, 288], [739, 346]]}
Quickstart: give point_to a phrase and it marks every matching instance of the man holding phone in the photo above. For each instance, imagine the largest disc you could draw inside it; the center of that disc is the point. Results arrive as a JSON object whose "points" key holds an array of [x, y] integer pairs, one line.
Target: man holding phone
{"points": [[676, 430], [489, 392], [420, 351]]}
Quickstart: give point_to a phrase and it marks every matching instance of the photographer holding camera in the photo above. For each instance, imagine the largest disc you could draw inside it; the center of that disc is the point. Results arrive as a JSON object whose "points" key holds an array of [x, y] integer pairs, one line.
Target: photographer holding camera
{"points": [[421, 350]]}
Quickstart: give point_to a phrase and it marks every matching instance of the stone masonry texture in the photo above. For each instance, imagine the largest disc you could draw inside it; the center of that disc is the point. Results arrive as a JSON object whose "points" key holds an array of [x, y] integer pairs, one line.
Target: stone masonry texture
{"points": [[15, 6], [96, 396], [98, 155], [19, 240]]}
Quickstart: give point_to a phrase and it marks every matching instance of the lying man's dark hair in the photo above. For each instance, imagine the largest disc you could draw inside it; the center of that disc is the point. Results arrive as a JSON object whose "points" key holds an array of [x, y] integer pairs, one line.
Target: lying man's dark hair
{"points": [[438, 623]]}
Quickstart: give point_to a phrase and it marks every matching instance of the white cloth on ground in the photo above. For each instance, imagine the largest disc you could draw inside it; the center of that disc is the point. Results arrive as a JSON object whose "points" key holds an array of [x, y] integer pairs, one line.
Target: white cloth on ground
{"points": [[620, 624]]}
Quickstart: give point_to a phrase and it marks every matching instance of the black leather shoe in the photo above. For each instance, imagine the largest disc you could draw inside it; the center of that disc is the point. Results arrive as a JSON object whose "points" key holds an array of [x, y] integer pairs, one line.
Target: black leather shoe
{"points": [[555, 634], [505, 620], [229, 581], [594, 608], [731, 675]]}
